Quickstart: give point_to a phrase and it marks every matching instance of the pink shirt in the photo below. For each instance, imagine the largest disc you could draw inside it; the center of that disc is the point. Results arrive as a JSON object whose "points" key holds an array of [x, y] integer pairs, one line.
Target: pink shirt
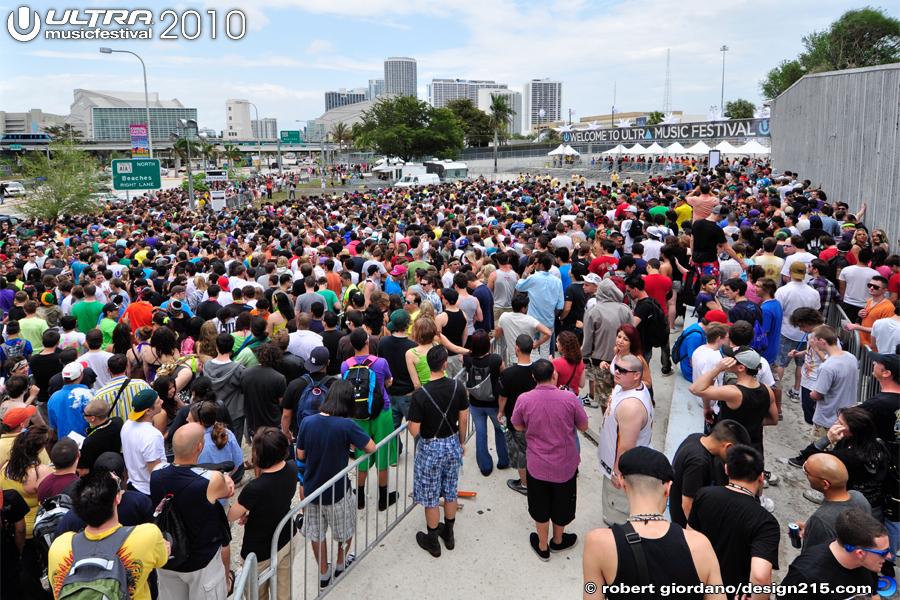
{"points": [[549, 416], [566, 371]]}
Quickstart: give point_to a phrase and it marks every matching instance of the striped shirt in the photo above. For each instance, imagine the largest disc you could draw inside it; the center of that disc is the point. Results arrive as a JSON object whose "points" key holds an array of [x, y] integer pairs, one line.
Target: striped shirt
{"points": [[109, 392]]}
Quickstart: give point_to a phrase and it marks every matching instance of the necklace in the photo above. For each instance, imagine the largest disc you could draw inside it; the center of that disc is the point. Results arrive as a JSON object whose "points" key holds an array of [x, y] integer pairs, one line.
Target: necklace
{"points": [[742, 489], [647, 517]]}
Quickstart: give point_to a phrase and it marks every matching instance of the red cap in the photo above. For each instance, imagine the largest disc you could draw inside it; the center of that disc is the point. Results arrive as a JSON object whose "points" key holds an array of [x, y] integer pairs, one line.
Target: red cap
{"points": [[717, 316], [223, 283], [16, 416]]}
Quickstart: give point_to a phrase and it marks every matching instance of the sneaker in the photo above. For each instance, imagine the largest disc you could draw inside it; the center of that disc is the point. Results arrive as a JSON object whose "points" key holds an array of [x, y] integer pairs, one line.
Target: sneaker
{"points": [[814, 496], [767, 503], [771, 478], [544, 555], [796, 461], [568, 540], [347, 561], [590, 403], [668, 372], [794, 395], [516, 486]]}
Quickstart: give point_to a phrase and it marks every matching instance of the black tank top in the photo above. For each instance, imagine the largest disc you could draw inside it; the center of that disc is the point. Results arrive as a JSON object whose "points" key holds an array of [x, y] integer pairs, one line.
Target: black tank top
{"points": [[751, 413], [669, 562], [455, 327]]}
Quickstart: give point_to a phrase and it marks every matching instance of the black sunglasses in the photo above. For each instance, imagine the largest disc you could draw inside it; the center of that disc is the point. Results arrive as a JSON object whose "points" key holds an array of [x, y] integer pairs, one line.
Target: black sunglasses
{"points": [[872, 286], [623, 370]]}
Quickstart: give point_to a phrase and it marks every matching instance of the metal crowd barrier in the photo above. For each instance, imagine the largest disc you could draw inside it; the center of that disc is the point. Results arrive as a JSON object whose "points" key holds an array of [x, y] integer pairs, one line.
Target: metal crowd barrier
{"points": [[868, 385], [371, 525]]}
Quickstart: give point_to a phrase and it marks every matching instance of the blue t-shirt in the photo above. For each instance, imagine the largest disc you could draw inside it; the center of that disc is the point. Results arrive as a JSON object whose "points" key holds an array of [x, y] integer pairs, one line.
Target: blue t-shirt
{"points": [[134, 509], [564, 276], [772, 319], [66, 409], [326, 441], [392, 287], [381, 368], [690, 342]]}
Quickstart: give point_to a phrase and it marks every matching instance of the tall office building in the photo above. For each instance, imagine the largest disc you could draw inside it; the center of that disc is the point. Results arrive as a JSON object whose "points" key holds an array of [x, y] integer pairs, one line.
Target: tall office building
{"points": [[442, 91], [108, 115], [376, 88], [512, 97], [342, 97], [238, 124], [265, 129], [400, 76], [541, 94]]}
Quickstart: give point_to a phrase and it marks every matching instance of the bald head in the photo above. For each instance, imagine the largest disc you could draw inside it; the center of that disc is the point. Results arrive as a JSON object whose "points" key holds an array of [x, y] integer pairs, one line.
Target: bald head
{"points": [[825, 467], [632, 363], [188, 442]]}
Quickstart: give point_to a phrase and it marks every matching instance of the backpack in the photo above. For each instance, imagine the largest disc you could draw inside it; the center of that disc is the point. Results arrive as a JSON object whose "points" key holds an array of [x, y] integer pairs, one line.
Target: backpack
{"points": [[677, 356], [635, 229], [367, 394], [168, 519], [167, 369], [478, 383], [50, 512], [656, 325], [312, 397], [760, 342], [97, 572], [13, 350]]}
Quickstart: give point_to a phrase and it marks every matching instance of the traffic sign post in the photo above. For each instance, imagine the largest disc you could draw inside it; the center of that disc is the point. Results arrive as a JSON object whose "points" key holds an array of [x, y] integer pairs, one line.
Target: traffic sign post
{"points": [[15, 146], [290, 137], [136, 174]]}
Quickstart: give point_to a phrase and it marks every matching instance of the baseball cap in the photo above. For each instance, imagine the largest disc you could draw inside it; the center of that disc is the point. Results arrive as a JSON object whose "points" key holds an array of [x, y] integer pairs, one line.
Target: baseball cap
{"points": [[16, 416], [721, 209], [462, 243], [745, 355], [642, 460], [717, 316], [318, 358], [399, 320], [844, 246], [753, 213], [110, 461], [223, 283], [142, 402], [631, 208], [654, 232], [815, 220], [72, 371], [592, 278], [798, 269], [399, 270], [891, 362], [782, 235]]}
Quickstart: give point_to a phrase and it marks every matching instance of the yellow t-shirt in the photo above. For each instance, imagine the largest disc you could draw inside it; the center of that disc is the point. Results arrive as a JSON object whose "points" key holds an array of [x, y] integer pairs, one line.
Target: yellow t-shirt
{"points": [[139, 257], [143, 551], [684, 213]]}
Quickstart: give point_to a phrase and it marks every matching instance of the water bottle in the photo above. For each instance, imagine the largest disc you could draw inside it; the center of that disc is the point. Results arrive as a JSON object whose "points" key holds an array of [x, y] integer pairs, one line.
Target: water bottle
{"points": [[503, 424]]}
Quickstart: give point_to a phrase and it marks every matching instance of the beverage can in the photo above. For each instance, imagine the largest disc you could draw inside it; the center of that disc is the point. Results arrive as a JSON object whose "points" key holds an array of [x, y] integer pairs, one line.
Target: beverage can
{"points": [[794, 534]]}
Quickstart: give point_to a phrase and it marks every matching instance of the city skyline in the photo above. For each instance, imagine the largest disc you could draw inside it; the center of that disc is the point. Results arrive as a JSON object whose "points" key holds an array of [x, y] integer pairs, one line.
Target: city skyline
{"points": [[287, 80]]}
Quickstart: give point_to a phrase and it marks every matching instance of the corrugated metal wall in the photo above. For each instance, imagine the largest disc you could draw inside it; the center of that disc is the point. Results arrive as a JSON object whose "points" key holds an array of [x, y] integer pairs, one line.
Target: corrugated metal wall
{"points": [[843, 129]]}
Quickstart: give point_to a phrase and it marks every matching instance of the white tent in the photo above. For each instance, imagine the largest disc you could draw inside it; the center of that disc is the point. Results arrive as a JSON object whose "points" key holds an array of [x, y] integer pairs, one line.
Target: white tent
{"points": [[753, 147], [636, 149], [557, 151], [726, 148], [570, 151], [655, 148], [617, 150], [698, 148], [676, 148]]}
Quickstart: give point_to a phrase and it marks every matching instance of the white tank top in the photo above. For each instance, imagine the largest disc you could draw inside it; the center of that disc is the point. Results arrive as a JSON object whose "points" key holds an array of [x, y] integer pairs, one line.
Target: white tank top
{"points": [[609, 434]]}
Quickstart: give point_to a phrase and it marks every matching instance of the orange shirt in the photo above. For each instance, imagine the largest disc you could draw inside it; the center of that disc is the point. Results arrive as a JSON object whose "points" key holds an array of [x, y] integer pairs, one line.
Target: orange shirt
{"points": [[139, 314], [334, 283], [882, 310]]}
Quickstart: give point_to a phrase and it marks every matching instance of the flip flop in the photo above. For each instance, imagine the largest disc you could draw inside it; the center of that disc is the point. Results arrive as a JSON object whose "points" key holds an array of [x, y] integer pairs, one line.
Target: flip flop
{"points": [[229, 582]]}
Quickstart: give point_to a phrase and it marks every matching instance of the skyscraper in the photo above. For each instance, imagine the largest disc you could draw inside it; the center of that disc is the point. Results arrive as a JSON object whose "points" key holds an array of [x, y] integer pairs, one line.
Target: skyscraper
{"points": [[512, 97], [400, 76], [376, 88], [541, 94], [442, 91], [342, 97]]}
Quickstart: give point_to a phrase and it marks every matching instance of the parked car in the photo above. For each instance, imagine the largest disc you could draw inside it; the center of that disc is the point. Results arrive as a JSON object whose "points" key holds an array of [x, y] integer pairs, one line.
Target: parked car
{"points": [[164, 172], [182, 170], [14, 188]]}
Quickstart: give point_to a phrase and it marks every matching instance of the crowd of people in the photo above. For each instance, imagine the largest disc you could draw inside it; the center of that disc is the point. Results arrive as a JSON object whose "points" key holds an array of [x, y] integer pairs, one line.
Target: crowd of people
{"points": [[146, 347]]}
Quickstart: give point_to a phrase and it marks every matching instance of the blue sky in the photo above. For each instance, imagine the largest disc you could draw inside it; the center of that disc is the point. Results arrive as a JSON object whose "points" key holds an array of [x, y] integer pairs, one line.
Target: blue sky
{"points": [[295, 50]]}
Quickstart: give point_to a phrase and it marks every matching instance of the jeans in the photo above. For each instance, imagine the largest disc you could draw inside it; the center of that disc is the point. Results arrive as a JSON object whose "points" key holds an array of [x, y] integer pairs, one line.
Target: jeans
{"points": [[808, 405], [483, 457], [665, 360], [893, 528], [400, 408]]}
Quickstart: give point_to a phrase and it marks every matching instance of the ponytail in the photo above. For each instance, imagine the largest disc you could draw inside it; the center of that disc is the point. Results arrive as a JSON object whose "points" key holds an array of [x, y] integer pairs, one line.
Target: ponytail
{"points": [[206, 413], [219, 435]]}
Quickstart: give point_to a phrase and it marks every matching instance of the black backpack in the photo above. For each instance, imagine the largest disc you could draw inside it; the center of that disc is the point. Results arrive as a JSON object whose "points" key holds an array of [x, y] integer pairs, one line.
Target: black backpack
{"points": [[168, 519], [677, 356], [656, 325], [479, 385], [366, 391], [636, 229]]}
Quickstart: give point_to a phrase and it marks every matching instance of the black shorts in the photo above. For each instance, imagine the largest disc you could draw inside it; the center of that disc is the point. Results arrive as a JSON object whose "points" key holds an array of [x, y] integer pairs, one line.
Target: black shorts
{"points": [[548, 501]]}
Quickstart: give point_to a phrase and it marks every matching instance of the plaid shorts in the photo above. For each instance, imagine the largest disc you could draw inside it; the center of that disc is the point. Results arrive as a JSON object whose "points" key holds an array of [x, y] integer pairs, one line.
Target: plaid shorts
{"points": [[603, 381], [436, 470], [341, 517]]}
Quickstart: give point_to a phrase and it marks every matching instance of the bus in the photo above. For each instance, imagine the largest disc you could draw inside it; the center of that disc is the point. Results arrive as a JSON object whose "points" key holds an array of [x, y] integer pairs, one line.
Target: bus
{"points": [[448, 170]]}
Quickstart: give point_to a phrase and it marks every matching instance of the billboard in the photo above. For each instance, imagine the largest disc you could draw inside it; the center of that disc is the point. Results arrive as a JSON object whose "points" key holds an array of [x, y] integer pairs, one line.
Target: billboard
{"points": [[140, 144]]}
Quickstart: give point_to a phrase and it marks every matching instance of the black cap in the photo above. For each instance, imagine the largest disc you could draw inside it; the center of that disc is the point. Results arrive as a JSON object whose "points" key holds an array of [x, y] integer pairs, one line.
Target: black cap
{"points": [[642, 460], [318, 359], [891, 362], [110, 461]]}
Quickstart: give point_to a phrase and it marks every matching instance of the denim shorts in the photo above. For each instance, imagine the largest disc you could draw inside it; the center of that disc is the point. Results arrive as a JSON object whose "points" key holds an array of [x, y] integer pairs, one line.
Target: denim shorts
{"points": [[784, 346]]}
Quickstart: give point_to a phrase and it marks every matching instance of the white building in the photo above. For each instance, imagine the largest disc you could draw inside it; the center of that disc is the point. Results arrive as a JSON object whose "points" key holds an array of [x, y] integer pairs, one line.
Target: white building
{"points": [[400, 76], [317, 129], [342, 97], [541, 94], [267, 131], [32, 121], [512, 97], [108, 115], [238, 124], [442, 91], [376, 88]]}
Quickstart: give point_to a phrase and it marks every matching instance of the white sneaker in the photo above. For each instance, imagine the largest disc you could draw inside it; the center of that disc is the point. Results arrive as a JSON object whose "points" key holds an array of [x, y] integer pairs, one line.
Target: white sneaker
{"points": [[793, 395], [767, 503], [814, 496]]}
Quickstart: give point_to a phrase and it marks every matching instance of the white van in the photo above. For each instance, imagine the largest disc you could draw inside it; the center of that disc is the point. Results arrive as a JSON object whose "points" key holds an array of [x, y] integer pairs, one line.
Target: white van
{"points": [[417, 180]]}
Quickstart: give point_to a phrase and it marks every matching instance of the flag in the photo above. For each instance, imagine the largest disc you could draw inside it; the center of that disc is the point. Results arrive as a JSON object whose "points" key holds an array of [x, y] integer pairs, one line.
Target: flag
{"points": [[542, 113]]}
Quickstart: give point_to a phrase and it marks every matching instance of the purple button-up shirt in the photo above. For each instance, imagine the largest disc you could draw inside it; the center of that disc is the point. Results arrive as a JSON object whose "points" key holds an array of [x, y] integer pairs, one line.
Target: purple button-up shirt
{"points": [[549, 416]]}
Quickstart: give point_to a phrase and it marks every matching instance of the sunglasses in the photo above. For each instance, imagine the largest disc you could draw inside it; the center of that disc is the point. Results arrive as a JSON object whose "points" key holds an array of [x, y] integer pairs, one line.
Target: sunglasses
{"points": [[882, 553], [623, 370], [872, 286], [806, 472]]}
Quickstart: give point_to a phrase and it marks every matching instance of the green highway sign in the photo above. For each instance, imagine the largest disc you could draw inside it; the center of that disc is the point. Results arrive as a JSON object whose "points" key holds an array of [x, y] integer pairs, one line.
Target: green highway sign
{"points": [[15, 146], [136, 174], [290, 137]]}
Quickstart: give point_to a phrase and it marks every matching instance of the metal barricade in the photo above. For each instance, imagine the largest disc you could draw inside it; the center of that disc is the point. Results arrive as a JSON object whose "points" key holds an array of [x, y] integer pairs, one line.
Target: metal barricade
{"points": [[247, 585]]}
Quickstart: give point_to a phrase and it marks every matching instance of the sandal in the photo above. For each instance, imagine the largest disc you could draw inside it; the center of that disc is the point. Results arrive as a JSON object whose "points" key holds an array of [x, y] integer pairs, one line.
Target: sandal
{"points": [[229, 582], [248, 465]]}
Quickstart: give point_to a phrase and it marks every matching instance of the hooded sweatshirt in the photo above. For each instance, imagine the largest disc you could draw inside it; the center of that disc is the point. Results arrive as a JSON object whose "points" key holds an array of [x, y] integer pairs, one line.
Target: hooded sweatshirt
{"points": [[602, 321], [226, 383]]}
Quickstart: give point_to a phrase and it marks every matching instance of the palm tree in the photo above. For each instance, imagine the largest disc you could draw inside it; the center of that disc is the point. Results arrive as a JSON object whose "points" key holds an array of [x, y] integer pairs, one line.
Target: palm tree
{"points": [[209, 152], [231, 153], [655, 118], [501, 114], [341, 133], [180, 149]]}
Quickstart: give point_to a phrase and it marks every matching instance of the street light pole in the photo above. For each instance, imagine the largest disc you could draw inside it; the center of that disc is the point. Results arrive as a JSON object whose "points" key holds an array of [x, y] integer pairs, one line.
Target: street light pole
{"points": [[723, 50], [258, 127], [146, 94]]}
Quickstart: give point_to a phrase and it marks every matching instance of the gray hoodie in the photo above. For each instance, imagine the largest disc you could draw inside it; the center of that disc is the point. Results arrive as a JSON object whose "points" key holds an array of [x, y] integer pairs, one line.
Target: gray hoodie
{"points": [[602, 321], [226, 383]]}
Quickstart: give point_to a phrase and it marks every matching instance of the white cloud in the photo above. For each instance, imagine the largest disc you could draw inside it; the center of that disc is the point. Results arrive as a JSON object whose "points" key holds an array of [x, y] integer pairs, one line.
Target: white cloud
{"points": [[319, 47]]}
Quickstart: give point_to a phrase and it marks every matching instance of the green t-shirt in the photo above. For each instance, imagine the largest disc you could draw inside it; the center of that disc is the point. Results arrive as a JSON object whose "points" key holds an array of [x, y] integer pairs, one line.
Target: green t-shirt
{"points": [[107, 326], [33, 331], [330, 298], [87, 314], [411, 270], [658, 210]]}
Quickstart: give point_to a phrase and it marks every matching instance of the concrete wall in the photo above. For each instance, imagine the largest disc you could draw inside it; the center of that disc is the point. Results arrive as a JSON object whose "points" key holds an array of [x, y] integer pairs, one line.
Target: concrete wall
{"points": [[843, 129]]}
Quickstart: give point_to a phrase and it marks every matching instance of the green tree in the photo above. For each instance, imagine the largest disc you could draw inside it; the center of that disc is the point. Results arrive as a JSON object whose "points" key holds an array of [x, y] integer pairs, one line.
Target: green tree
{"points": [[739, 109], [180, 149], [67, 182], [501, 115], [552, 136], [408, 128], [63, 132], [341, 133], [209, 152], [199, 183], [863, 37], [655, 118], [475, 122], [232, 153]]}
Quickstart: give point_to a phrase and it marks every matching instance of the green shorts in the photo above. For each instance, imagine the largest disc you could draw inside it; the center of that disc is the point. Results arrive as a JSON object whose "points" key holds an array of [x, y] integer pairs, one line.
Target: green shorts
{"points": [[379, 428]]}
